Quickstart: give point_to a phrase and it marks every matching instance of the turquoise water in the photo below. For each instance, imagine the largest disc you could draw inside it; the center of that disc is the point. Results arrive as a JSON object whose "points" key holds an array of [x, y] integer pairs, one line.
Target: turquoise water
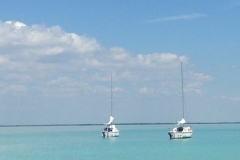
{"points": [[135, 142]]}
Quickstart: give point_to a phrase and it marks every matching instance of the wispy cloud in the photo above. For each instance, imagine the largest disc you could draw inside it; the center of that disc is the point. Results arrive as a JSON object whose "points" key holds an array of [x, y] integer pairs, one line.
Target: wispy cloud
{"points": [[232, 99], [179, 17]]}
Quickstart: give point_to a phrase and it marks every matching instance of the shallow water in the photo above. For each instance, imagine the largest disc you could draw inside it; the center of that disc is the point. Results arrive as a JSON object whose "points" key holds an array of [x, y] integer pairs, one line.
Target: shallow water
{"points": [[135, 142]]}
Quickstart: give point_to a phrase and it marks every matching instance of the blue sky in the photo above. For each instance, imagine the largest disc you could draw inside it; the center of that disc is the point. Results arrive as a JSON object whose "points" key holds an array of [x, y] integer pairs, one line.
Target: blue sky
{"points": [[56, 59]]}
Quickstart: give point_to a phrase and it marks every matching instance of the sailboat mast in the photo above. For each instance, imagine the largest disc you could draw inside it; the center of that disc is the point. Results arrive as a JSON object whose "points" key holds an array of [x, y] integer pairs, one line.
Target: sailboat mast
{"points": [[182, 90], [111, 93]]}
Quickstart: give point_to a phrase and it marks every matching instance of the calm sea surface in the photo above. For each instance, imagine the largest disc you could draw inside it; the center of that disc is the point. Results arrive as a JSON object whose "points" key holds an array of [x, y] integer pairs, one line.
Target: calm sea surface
{"points": [[145, 142]]}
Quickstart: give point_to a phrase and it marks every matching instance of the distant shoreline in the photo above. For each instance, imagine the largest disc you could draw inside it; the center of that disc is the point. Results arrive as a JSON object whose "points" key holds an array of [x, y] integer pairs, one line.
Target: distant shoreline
{"points": [[49, 125]]}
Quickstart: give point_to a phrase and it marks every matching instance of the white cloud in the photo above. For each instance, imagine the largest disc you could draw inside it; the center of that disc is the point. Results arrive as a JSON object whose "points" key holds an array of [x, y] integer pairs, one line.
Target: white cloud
{"points": [[16, 24], [15, 89], [3, 59], [165, 60], [202, 77], [145, 90], [127, 75], [83, 44], [119, 54], [117, 89], [179, 17], [64, 87], [93, 63], [50, 60], [40, 40], [193, 87], [194, 81], [231, 99], [236, 99]]}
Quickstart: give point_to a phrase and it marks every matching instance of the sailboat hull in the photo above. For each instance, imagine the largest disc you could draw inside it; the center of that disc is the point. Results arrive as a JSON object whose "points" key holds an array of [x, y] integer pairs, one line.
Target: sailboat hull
{"points": [[179, 135], [110, 131], [186, 132], [106, 134]]}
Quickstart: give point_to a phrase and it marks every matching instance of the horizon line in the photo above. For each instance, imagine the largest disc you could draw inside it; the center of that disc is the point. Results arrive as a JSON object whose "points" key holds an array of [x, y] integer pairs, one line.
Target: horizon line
{"points": [[97, 124]]}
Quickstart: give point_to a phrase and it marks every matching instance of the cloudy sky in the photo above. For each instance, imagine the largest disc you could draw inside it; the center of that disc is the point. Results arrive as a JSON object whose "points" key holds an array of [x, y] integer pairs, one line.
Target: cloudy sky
{"points": [[56, 60]]}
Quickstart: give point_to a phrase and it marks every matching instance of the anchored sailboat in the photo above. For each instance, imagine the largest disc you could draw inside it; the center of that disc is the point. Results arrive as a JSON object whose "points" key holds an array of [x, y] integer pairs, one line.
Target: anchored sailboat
{"points": [[181, 131], [110, 130]]}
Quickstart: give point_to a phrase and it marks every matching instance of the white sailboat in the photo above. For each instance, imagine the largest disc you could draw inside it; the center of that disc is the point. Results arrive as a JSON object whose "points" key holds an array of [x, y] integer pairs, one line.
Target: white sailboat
{"points": [[110, 130], [181, 131]]}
